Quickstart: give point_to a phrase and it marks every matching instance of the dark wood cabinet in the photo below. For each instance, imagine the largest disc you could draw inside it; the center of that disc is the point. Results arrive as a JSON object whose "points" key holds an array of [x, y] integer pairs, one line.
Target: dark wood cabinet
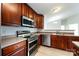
{"points": [[20, 52], [11, 14], [25, 10], [30, 13], [61, 42], [54, 41], [18, 49], [40, 21], [40, 40], [75, 50]]}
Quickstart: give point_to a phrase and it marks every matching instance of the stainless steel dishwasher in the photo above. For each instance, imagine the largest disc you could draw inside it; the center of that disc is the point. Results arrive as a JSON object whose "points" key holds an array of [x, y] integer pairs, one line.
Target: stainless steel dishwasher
{"points": [[46, 40]]}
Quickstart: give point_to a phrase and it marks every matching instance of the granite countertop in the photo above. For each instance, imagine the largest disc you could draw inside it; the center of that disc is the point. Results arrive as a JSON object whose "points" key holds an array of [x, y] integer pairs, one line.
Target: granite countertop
{"points": [[54, 33], [76, 43], [12, 40], [6, 41]]}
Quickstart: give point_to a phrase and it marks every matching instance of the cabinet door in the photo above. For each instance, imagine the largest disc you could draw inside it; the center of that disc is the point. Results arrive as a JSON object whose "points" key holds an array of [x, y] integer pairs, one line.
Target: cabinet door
{"points": [[24, 10], [20, 52], [54, 41], [40, 39], [35, 15], [36, 21], [69, 44], [40, 21], [30, 14], [11, 14], [64, 42], [12, 49]]}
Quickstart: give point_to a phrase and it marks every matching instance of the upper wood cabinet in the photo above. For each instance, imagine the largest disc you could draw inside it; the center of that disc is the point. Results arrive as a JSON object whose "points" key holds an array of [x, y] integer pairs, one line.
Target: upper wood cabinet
{"points": [[11, 14], [40, 21], [30, 13], [25, 10]]}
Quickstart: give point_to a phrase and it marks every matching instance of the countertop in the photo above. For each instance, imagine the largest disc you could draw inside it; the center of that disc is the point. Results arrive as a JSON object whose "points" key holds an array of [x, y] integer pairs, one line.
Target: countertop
{"points": [[11, 40], [76, 43], [6, 41]]}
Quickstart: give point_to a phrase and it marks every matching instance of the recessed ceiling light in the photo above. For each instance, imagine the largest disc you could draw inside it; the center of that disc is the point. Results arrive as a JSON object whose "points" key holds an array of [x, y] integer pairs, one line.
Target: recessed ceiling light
{"points": [[56, 9]]}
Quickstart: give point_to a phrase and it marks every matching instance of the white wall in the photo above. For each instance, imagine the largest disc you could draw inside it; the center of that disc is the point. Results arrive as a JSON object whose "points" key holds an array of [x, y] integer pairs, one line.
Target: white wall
{"points": [[7, 30]]}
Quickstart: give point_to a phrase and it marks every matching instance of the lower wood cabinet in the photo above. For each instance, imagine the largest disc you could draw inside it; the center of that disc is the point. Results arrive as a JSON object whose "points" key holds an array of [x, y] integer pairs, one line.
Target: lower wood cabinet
{"points": [[18, 49], [20, 52], [75, 50], [54, 41], [40, 40], [61, 42]]}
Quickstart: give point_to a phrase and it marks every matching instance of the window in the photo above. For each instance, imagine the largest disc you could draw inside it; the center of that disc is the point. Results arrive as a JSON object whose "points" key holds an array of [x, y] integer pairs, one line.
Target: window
{"points": [[74, 27], [62, 27]]}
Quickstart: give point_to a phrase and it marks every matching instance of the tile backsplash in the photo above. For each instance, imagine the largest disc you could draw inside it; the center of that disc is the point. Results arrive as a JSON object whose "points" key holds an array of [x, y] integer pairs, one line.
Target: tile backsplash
{"points": [[7, 30]]}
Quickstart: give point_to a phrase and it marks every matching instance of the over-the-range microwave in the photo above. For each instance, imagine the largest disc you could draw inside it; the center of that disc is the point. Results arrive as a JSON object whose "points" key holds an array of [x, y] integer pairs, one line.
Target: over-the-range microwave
{"points": [[27, 22]]}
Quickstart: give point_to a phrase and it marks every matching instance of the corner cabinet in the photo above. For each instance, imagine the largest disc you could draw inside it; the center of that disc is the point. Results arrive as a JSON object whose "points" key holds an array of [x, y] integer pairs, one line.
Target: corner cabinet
{"points": [[11, 14]]}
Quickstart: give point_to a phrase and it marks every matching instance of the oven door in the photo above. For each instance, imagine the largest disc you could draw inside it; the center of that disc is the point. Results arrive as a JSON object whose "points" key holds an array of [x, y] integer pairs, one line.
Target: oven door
{"points": [[33, 44]]}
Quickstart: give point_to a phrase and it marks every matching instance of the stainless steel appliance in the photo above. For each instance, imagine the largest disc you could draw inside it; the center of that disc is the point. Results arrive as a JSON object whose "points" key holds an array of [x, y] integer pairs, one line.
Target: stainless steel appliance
{"points": [[32, 40], [33, 43], [46, 40], [27, 22]]}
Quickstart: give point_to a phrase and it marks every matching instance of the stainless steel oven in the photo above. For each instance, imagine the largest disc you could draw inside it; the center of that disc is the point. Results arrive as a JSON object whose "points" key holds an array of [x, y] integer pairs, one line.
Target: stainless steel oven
{"points": [[32, 40], [33, 44]]}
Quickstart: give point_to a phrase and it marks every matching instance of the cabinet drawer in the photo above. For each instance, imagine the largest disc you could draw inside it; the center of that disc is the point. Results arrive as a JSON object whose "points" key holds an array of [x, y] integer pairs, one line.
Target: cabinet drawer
{"points": [[11, 48]]}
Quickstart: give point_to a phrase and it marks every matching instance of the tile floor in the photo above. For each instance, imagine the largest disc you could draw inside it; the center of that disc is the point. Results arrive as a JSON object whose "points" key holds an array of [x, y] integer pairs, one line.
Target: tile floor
{"points": [[46, 51]]}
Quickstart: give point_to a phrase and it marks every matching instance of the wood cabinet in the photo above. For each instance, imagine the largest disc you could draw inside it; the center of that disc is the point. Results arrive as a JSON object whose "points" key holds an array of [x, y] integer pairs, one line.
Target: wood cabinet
{"points": [[25, 10], [11, 14], [75, 50], [54, 41], [61, 42], [30, 13], [40, 21], [75, 38], [18, 49], [40, 40]]}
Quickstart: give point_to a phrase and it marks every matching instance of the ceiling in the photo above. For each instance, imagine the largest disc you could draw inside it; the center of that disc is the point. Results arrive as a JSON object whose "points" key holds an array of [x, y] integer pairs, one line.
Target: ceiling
{"points": [[48, 9]]}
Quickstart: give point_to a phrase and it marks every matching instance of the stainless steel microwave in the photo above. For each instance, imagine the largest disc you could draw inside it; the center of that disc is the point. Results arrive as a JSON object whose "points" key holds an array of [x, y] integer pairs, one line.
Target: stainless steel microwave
{"points": [[27, 22]]}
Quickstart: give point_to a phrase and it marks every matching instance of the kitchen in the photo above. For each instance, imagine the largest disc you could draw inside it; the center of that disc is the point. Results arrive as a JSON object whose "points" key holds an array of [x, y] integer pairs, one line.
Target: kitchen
{"points": [[29, 30]]}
